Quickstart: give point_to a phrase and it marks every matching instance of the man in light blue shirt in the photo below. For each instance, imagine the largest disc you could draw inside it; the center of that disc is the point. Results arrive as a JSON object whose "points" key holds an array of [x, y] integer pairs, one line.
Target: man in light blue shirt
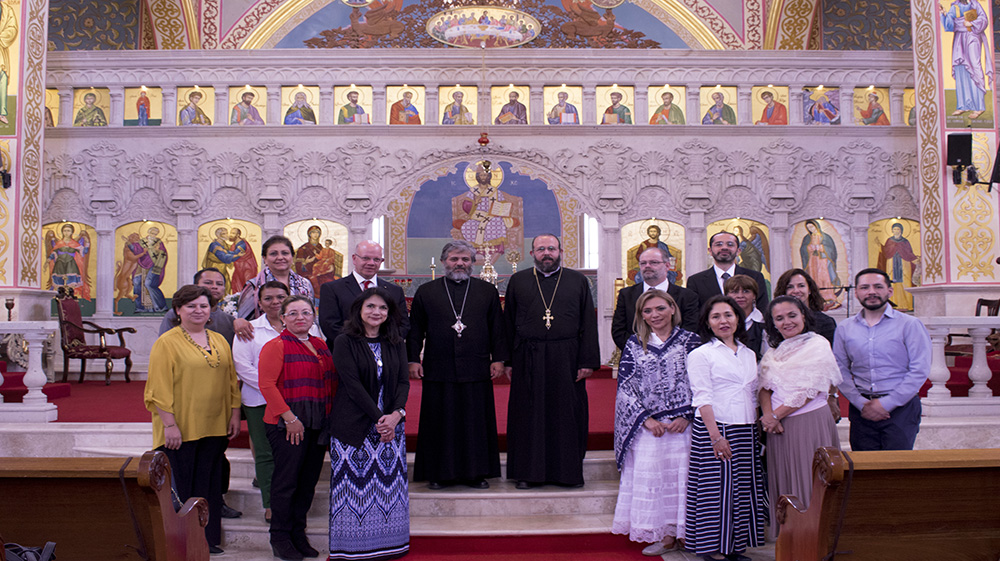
{"points": [[884, 356]]}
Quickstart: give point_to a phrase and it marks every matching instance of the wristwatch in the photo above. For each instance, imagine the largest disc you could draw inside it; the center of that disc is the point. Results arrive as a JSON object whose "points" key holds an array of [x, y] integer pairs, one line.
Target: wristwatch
{"points": [[402, 412]]}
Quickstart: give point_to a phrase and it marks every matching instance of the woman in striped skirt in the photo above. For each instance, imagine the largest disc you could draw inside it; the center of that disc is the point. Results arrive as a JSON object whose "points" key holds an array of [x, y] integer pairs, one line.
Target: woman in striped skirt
{"points": [[726, 494]]}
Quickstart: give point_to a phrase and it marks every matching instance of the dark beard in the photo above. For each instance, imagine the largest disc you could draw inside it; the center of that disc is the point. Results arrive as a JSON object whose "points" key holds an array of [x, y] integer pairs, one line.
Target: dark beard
{"points": [[456, 275], [868, 306], [548, 268]]}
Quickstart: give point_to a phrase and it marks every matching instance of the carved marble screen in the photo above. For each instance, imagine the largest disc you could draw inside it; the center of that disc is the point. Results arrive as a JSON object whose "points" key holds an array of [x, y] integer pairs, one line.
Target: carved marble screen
{"points": [[232, 247], [641, 235], [818, 247], [145, 268], [894, 247], [71, 261]]}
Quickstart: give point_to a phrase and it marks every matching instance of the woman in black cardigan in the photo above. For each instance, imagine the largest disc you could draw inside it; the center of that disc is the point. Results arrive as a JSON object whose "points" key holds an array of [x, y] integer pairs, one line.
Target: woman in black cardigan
{"points": [[369, 503]]}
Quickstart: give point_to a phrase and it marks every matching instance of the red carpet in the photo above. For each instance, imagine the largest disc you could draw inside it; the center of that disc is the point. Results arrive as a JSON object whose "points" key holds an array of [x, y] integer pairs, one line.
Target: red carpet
{"points": [[93, 402], [586, 547]]}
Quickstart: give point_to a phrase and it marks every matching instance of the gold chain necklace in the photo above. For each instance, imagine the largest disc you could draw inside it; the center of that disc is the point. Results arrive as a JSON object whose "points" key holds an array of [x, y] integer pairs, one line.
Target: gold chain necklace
{"points": [[207, 354], [548, 307]]}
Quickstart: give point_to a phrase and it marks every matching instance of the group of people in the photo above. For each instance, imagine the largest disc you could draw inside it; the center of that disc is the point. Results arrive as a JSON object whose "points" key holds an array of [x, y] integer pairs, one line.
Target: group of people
{"points": [[713, 374], [707, 372]]}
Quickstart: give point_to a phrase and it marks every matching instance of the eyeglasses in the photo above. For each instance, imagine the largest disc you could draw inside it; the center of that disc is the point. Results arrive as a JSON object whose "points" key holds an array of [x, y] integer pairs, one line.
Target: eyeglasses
{"points": [[305, 314]]}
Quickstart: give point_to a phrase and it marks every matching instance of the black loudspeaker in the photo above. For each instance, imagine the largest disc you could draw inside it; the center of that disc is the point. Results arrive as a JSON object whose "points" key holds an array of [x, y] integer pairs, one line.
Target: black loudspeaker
{"points": [[960, 149]]}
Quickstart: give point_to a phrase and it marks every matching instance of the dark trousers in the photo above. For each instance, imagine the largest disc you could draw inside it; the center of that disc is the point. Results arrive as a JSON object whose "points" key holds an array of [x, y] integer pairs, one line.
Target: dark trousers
{"points": [[293, 483], [197, 471], [898, 432]]}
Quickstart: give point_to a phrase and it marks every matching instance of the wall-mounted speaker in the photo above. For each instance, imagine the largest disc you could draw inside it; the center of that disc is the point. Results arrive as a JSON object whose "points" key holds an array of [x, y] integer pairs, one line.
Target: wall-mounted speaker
{"points": [[960, 149]]}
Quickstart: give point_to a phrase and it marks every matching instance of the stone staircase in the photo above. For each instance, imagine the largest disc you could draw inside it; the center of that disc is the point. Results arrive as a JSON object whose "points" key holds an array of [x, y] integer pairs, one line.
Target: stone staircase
{"points": [[501, 510]]}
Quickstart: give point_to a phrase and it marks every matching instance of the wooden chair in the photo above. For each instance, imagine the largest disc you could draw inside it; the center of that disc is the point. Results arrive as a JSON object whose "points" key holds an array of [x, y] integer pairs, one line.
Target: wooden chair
{"points": [[992, 309], [74, 344]]}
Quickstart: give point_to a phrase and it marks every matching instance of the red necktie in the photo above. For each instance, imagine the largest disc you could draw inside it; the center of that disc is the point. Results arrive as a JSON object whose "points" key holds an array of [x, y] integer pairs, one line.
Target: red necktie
{"points": [[367, 284]]}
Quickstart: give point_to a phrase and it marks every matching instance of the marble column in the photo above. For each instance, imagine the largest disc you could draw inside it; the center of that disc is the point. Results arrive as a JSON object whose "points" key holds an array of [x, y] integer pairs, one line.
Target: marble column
{"points": [[326, 105], [610, 251], [536, 109], [221, 104], [795, 116], [896, 115], [693, 104], [431, 106], [696, 243], [117, 116], [484, 110], [170, 110], [640, 115], [65, 107], [379, 104], [744, 113], [104, 277], [847, 104], [274, 116], [187, 248], [779, 244], [589, 104]]}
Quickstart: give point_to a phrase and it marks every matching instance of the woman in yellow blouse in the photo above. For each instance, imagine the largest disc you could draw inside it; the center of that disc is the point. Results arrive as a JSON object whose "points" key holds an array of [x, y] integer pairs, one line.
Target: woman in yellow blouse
{"points": [[193, 395]]}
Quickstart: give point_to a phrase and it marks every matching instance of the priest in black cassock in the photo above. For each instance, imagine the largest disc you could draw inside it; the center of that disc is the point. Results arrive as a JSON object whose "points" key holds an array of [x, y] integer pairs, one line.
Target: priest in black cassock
{"points": [[552, 324], [458, 322]]}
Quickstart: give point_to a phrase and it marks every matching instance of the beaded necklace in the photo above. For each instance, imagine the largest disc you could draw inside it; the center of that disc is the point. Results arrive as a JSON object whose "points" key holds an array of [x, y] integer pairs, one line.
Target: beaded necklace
{"points": [[207, 354]]}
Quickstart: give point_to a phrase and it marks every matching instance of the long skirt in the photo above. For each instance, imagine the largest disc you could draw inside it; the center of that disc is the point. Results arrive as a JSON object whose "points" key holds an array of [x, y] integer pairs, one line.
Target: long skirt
{"points": [[653, 487], [369, 498], [726, 500], [790, 456]]}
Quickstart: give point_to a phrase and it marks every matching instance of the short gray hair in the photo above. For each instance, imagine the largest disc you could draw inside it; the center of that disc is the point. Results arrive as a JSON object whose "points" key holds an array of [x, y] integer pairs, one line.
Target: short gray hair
{"points": [[458, 245]]}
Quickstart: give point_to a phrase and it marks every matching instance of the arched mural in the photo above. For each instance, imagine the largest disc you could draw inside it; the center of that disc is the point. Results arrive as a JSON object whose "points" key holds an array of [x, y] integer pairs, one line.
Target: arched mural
{"points": [[894, 247], [641, 235], [71, 261], [145, 267], [232, 247], [755, 245], [320, 250], [819, 248]]}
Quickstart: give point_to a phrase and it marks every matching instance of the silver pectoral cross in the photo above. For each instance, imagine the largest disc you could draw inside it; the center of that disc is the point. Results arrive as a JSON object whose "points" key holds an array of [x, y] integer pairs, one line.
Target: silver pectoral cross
{"points": [[548, 318], [459, 326]]}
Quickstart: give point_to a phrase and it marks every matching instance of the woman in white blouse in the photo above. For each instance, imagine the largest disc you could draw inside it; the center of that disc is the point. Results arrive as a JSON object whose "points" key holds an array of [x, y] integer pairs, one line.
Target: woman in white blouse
{"points": [[726, 495], [245, 354]]}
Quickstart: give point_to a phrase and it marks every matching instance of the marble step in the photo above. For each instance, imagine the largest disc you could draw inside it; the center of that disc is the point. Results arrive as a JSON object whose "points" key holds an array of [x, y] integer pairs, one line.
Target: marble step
{"points": [[501, 499]]}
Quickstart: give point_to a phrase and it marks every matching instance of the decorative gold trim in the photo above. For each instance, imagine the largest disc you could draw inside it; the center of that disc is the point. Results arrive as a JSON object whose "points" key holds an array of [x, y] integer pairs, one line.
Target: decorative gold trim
{"points": [[191, 20], [973, 211], [259, 37], [168, 24], [692, 23], [31, 108]]}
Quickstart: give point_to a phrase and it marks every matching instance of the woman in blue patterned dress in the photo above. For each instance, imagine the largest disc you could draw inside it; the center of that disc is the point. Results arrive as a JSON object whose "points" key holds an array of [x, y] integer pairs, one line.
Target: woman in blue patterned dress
{"points": [[652, 414], [369, 503]]}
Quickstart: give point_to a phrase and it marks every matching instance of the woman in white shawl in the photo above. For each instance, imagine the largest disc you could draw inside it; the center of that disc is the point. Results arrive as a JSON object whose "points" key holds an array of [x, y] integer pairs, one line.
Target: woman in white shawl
{"points": [[795, 379]]}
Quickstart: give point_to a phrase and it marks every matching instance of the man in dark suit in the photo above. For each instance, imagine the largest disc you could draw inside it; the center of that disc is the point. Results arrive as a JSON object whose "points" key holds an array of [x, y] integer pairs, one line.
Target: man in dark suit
{"points": [[336, 297], [724, 248], [653, 268]]}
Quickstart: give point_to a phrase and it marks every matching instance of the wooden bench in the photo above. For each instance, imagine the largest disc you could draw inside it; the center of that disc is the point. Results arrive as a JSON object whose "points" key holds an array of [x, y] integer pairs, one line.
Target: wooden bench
{"points": [[80, 504], [906, 505]]}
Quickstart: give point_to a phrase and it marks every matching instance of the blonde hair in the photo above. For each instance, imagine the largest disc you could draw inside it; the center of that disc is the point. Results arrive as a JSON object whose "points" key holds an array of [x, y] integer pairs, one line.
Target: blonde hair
{"points": [[640, 326]]}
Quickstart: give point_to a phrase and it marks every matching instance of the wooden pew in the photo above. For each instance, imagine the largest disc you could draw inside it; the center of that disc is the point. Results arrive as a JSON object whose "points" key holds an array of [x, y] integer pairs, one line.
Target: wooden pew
{"points": [[906, 505], [80, 504]]}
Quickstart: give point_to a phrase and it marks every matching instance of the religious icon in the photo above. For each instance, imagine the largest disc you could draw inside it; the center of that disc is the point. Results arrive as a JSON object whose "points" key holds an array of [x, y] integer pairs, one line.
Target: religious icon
{"points": [[92, 106], [493, 28], [819, 250], [663, 105], [891, 248], [455, 110], [143, 107], [145, 270], [354, 100], [244, 112], [910, 106], [619, 100], [821, 106], [562, 102], [196, 106], [718, 105], [319, 254], [870, 106], [507, 107], [51, 107], [485, 216], [968, 87], [771, 104], [754, 246], [69, 258], [231, 247], [668, 236], [299, 105], [409, 101]]}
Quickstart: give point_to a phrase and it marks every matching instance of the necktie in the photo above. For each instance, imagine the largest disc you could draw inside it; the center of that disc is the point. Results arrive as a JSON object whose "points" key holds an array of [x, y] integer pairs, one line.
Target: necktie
{"points": [[725, 277], [366, 285]]}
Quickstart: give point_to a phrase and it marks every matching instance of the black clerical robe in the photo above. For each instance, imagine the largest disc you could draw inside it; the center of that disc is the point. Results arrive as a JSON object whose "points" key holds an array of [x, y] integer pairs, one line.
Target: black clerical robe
{"points": [[457, 438], [548, 414]]}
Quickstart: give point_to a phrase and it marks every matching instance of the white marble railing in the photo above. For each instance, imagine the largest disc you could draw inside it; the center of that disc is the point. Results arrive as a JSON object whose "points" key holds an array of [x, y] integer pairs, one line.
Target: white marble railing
{"points": [[35, 407], [939, 400]]}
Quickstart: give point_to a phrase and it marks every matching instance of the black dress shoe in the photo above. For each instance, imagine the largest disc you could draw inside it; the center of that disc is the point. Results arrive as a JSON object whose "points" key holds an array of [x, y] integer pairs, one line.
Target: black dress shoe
{"points": [[284, 549], [522, 484], [737, 557], [479, 484], [436, 485], [230, 512], [215, 550], [301, 543]]}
